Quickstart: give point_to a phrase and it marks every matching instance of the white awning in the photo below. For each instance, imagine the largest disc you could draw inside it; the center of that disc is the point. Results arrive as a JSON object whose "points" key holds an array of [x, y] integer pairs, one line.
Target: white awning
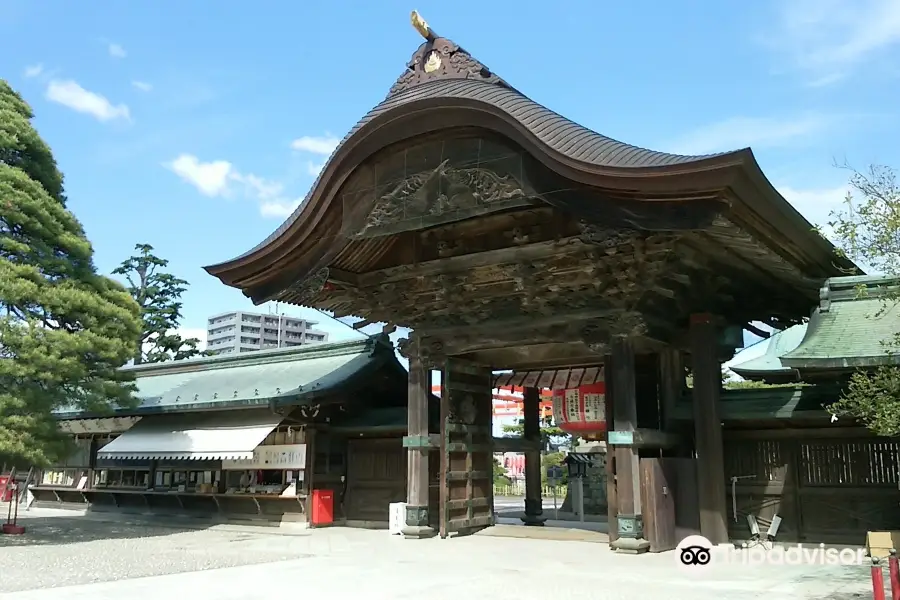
{"points": [[231, 435]]}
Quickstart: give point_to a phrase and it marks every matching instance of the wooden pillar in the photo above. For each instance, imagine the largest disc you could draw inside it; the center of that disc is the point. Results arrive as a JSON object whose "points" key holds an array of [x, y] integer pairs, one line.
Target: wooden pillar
{"points": [[418, 445], [309, 471], [532, 433], [630, 539], [671, 385], [612, 504], [92, 463], [707, 374]]}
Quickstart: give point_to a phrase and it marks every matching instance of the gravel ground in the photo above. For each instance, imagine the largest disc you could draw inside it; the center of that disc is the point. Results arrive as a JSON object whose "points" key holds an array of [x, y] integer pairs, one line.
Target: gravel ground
{"points": [[70, 550]]}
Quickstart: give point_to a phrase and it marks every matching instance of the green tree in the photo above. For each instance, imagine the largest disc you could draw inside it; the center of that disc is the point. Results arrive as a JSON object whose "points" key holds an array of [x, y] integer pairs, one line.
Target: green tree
{"points": [[867, 230], [64, 329], [159, 295], [549, 433], [500, 478]]}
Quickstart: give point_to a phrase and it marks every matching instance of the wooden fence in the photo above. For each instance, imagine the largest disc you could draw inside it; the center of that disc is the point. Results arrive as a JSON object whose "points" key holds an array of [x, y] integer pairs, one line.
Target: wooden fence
{"points": [[519, 491]]}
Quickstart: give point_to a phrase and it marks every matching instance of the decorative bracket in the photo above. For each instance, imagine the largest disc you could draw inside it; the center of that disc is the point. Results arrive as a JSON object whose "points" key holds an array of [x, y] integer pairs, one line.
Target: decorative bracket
{"points": [[429, 351], [605, 237], [303, 291]]}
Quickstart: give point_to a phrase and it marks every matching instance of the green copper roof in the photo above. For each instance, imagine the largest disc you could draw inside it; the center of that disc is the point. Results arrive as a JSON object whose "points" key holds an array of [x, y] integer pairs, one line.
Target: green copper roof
{"points": [[783, 402], [856, 317], [281, 377], [779, 344]]}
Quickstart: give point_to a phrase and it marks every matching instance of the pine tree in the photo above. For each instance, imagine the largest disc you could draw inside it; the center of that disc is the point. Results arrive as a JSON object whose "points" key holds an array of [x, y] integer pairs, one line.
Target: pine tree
{"points": [[159, 295], [64, 329]]}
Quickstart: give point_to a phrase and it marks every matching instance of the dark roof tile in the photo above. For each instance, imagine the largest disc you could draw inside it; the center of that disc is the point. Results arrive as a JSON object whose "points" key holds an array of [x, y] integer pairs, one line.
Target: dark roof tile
{"points": [[554, 130]]}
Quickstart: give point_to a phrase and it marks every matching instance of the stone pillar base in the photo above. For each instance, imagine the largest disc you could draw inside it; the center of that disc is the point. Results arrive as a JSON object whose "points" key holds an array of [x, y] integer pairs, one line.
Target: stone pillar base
{"points": [[416, 526], [534, 512], [418, 532], [630, 545], [533, 520]]}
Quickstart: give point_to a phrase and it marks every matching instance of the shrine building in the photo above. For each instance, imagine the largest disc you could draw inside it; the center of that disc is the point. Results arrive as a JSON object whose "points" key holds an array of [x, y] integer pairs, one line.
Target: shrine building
{"points": [[507, 237]]}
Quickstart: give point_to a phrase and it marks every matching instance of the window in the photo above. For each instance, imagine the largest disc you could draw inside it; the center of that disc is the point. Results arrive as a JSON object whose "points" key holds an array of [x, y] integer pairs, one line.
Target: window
{"points": [[61, 477], [122, 478]]}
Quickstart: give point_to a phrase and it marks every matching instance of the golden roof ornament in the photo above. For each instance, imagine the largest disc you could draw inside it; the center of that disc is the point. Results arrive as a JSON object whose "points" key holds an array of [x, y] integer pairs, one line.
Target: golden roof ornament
{"points": [[421, 26]]}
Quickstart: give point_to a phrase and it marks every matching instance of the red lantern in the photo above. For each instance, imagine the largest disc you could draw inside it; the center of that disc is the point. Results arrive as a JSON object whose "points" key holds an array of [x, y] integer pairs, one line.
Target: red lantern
{"points": [[582, 410]]}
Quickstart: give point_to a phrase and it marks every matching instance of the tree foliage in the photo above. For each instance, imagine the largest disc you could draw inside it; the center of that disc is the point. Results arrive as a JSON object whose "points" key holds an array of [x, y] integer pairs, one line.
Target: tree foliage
{"points": [[64, 329], [550, 434], [159, 295], [867, 230], [500, 478]]}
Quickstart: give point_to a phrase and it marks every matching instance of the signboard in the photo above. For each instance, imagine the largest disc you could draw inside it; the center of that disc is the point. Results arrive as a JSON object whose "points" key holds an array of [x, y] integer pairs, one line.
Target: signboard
{"points": [[621, 438], [284, 457]]}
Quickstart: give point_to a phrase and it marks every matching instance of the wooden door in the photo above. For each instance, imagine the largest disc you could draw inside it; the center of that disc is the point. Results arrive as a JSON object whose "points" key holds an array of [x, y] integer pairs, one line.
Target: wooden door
{"points": [[376, 477], [658, 487], [467, 493]]}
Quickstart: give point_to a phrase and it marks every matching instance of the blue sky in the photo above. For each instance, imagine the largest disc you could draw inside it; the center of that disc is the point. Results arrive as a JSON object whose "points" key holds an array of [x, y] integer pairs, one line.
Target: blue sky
{"points": [[196, 130]]}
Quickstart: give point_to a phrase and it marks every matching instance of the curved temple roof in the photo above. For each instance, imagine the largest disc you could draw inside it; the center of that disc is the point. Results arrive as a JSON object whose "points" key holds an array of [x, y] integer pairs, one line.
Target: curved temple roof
{"points": [[442, 76]]}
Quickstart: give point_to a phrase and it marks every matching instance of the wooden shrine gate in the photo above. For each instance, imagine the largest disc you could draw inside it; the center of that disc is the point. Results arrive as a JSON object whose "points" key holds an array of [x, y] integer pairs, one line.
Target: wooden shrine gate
{"points": [[467, 461]]}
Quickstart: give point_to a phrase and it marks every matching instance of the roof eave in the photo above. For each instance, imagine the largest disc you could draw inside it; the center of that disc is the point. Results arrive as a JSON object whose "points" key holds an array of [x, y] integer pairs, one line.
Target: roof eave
{"points": [[235, 271], [840, 363]]}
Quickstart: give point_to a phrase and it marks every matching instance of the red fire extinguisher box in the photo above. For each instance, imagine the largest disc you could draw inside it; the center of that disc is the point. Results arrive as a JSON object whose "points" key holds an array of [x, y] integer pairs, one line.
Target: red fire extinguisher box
{"points": [[322, 508], [6, 491]]}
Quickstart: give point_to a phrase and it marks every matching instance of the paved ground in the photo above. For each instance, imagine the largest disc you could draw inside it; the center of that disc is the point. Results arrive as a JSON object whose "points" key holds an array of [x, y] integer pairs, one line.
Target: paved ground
{"points": [[79, 559], [509, 511]]}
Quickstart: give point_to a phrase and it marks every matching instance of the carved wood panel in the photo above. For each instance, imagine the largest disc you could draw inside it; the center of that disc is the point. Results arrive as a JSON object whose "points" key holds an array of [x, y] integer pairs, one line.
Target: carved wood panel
{"points": [[442, 181]]}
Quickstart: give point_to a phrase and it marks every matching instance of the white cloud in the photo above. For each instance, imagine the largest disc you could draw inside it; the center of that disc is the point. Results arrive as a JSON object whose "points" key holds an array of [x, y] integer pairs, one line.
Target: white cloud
{"points": [[741, 132], [210, 178], [219, 178], [316, 145], [278, 208], [33, 71], [193, 332], [142, 86], [116, 50], [70, 94], [314, 168], [816, 204], [827, 38], [256, 186]]}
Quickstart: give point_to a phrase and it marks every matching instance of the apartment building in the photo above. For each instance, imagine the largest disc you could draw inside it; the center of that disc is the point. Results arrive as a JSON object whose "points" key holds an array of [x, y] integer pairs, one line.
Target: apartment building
{"points": [[240, 331]]}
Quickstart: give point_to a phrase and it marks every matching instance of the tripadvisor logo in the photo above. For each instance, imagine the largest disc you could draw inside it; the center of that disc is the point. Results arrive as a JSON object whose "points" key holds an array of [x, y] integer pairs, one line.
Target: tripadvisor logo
{"points": [[695, 552]]}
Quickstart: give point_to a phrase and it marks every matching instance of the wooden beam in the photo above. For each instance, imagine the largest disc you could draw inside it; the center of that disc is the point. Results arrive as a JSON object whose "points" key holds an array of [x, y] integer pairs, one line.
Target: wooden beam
{"points": [[344, 277], [757, 331], [652, 438], [502, 256], [523, 323]]}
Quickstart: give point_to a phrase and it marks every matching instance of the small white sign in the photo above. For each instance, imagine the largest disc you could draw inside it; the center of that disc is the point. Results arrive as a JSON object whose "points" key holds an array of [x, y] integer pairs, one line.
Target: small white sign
{"points": [[285, 457]]}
